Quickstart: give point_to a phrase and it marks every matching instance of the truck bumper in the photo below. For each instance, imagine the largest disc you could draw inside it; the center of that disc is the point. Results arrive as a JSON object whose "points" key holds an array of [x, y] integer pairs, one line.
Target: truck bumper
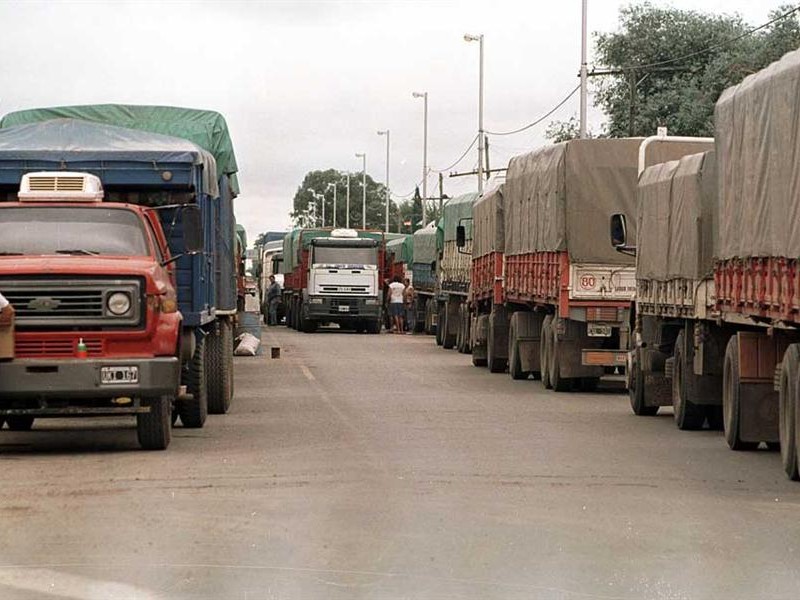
{"points": [[81, 378], [338, 309]]}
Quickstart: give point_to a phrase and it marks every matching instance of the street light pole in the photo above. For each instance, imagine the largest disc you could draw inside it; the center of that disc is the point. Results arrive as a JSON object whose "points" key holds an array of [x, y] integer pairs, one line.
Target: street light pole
{"points": [[347, 204], [314, 194], [479, 38], [424, 96], [363, 156], [583, 70], [386, 133], [333, 185]]}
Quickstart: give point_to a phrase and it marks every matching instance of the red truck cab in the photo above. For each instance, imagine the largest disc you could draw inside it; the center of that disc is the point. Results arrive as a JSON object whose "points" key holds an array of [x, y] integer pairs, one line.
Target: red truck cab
{"points": [[97, 322]]}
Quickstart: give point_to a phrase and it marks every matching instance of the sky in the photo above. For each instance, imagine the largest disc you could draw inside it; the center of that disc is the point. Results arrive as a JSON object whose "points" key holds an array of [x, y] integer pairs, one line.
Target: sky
{"points": [[305, 85]]}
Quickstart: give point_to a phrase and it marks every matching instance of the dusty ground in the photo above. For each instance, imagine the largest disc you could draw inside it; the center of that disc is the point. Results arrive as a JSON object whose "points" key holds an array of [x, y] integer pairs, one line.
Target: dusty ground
{"points": [[383, 467]]}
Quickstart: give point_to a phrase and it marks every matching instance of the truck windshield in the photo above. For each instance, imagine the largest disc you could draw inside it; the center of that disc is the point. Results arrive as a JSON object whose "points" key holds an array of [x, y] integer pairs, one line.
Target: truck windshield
{"points": [[342, 255], [71, 230]]}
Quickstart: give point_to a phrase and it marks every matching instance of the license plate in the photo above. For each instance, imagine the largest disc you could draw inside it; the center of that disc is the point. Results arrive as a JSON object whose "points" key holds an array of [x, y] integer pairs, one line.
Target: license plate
{"points": [[119, 375], [344, 308], [599, 330]]}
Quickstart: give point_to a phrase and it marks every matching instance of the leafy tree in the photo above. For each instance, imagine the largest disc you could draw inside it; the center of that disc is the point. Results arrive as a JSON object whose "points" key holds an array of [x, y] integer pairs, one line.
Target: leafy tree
{"points": [[562, 131], [647, 88], [308, 210]]}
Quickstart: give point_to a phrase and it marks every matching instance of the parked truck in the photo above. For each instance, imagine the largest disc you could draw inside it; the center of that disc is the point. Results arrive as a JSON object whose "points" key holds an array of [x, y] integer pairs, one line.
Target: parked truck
{"points": [[549, 300], [399, 257], [717, 249], [333, 276], [112, 316], [206, 280], [423, 270], [270, 262], [453, 273]]}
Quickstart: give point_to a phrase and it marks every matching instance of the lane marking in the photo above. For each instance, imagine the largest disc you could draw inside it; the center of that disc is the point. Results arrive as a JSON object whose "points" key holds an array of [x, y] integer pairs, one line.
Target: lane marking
{"points": [[307, 372], [67, 585]]}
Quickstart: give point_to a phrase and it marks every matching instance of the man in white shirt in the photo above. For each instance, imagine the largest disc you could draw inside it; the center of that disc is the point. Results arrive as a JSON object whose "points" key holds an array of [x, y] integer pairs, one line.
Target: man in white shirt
{"points": [[396, 289]]}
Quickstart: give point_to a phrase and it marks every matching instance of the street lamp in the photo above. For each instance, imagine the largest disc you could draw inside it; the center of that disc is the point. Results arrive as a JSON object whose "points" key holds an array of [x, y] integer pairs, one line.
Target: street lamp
{"points": [[347, 204], [333, 185], [424, 96], [479, 38], [316, 197], [386, 133], [363, 155]]}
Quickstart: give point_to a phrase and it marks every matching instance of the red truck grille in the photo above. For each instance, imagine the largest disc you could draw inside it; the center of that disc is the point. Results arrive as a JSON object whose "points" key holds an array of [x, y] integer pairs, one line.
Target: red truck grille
{"points": [[55, 348]]}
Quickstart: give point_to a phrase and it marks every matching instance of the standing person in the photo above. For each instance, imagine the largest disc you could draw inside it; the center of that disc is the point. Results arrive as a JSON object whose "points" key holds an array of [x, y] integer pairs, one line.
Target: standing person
{"points": [[273, 299], [409, 300], [396, 290]]}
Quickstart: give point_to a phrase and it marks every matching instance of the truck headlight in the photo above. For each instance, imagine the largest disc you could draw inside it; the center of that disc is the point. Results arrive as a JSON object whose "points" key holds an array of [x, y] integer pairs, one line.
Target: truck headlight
{"points": [[118, 303], [315, 300]]}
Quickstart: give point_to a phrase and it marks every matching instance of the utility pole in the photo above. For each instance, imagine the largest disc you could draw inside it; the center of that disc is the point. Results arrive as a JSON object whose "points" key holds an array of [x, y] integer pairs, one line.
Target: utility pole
{"points": [[441, 193], [584, 76], [347, 204]]}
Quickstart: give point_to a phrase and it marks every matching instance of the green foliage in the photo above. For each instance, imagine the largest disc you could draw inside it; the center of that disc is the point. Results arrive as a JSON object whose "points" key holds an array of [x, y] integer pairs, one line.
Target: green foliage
{"points": [[308, 210], [563, 131], [680, 95]]}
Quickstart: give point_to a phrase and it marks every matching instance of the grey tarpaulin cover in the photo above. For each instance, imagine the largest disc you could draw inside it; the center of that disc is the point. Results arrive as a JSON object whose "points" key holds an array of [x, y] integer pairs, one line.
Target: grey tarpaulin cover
{"points": [[758, 132], [677, 219], [488, 226], [74, 139], [425, 244], [560, 197]]}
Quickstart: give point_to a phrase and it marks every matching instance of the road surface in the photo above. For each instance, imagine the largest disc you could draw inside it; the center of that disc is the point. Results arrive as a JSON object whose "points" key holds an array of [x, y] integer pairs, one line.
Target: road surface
{"points": [[383, 467]]}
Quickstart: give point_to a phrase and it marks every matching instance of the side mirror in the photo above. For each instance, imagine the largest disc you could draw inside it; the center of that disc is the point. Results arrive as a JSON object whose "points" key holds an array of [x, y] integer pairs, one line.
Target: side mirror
{"points": [[192, 229], [619, 231], [461, 236]]}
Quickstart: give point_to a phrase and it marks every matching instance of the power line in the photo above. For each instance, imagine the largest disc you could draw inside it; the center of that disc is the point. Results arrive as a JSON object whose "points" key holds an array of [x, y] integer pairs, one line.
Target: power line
{"points": [[709, 48], [540, 119], [460, 158]]}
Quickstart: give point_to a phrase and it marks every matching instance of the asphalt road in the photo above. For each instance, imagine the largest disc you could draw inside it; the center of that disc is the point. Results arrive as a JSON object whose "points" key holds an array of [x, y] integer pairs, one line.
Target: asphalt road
{"points": [[383, 467]]}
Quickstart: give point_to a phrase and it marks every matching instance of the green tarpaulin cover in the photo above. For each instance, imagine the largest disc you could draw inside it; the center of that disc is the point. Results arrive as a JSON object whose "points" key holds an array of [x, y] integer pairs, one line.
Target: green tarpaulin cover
{"points": [[206, 128], [454, 211], [402, 248], [425, 244]]}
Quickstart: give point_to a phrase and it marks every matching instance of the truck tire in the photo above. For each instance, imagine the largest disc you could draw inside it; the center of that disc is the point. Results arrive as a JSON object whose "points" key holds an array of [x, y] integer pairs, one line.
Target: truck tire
{"points": [[479, 344], [787, 403], [495, 363], [460, 330], [307, 325], [467, 330], [193, 414], [374, 327], [154, 429], [544, 350], [451, 319], [220, 368], [514, 362], [636, 390], [20, 422], [688, 415], [441, 326], [557, 382], [420, 325], [730, 398]]}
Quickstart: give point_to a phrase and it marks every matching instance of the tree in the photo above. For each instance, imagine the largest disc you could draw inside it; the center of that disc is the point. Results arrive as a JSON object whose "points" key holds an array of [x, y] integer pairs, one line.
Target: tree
{"points": [[647, 88], [308, 210]]}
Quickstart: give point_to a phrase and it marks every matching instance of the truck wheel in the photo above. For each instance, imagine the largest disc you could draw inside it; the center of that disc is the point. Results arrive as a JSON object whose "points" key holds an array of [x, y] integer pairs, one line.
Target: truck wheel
{"points": [[154, 429], [220, 371], [514, 362], [193, 414], [467, 330], [636, 389], [544, 350], [19, 422], [451, 318], [495, 363], [559, 383], [688, 415], [420, 325], [479, 345], [374, 327], [460, 330], [441, 327], [730, 398], [787, 403]]}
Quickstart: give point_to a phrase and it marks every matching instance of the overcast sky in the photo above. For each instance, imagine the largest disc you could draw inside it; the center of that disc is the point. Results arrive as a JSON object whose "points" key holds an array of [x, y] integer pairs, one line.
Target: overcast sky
{"points": [[305, 85]]}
